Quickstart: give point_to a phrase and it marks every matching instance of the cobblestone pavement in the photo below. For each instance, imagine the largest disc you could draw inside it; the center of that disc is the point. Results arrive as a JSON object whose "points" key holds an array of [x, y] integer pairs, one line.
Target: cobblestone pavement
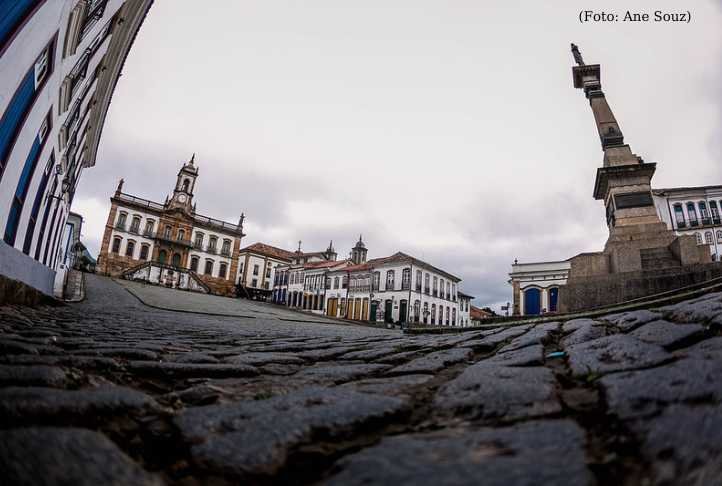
{"points": [[180, 300], [110, 391]]}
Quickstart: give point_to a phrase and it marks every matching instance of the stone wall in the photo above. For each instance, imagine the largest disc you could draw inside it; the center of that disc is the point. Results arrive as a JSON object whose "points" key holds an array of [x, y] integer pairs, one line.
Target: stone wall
{"points": [[588, 293]]}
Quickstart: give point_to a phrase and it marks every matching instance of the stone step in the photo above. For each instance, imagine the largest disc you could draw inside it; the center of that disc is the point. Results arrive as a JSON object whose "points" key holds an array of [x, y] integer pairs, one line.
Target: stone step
{"points": [[657, 258]]}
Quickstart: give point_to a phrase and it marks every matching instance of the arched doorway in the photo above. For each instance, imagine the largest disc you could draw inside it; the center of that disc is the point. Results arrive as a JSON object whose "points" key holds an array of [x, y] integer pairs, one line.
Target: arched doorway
{"points": [[553, 299], [176, 261], [162, 256], [532, 302]]}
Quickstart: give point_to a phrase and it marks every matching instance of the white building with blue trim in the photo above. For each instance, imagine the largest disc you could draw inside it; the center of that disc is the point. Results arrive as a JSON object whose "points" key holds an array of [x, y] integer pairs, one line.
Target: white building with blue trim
{"points": [[59, 63]]}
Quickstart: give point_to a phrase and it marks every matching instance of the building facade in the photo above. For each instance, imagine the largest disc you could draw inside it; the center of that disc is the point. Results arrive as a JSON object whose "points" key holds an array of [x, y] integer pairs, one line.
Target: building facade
{"points": [[294, 283], [535, 286], [170, 243], [685, 210], [693, 211], [258, 269], [60, 61], [465, 309], [394, 289]]}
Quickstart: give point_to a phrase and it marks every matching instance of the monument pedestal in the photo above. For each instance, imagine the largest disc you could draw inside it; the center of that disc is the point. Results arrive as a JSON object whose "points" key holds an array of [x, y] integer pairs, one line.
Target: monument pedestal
{"points": [[642, 256]]}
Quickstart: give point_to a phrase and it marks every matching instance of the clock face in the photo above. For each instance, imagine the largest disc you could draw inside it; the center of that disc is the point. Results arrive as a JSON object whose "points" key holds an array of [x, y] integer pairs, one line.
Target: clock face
{"points": [[182, 198]]}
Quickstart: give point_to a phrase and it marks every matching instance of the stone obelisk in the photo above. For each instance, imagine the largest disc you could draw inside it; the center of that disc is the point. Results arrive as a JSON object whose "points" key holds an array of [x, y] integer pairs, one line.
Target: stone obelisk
{"points": [[639, 242]]}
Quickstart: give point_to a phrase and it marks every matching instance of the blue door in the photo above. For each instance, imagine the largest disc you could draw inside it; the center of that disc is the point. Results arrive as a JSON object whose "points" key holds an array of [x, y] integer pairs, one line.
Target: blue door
{"points": [[553, 298], [532, 302]]}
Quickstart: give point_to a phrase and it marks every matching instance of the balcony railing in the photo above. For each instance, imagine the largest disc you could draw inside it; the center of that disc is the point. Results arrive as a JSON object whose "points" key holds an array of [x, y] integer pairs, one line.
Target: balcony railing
{"points": [[169, 239], [120, 226], [693, 223], [227, 253], [405, 285], [681, 224], [134, 229], [706, 221]]}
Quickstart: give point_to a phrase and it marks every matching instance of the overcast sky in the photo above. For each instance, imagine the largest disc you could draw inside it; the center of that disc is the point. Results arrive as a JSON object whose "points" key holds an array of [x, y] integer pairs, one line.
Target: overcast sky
{"points": [[449, 130]]}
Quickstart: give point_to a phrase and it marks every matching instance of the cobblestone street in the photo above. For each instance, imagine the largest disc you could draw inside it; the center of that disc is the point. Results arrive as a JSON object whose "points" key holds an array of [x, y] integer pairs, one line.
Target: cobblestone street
{"points": [[112, 391]]}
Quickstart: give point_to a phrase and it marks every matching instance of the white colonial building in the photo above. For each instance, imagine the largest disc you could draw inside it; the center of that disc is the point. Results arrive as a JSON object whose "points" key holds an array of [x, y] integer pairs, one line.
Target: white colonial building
{"points": [[394, 289], [693, 211], [60, 61], [465, 309], [535, 286], [258, 269], [296, 283]]}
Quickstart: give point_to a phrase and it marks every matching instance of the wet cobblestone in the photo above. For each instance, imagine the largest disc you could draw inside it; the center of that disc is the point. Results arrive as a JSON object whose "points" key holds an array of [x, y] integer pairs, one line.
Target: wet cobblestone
{"points": [[112, 391]]}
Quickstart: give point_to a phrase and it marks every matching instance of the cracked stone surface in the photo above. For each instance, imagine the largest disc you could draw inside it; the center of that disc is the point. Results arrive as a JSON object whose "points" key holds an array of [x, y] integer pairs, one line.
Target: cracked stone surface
{"points": [[617, 352], [527, 454], [110, 391]]}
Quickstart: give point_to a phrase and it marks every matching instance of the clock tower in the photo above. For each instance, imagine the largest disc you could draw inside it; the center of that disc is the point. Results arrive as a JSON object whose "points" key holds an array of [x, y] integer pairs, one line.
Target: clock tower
{"points": [[183, 193]]}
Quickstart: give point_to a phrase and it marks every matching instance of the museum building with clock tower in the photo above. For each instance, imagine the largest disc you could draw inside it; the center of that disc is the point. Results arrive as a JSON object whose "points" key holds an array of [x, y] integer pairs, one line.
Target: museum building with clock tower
{"points": [[170, 243]]}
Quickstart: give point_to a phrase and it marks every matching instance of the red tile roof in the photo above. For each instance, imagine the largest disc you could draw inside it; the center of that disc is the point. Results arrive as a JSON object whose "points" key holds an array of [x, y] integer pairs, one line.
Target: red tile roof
{"points": [[314, 265], [268, 250]]}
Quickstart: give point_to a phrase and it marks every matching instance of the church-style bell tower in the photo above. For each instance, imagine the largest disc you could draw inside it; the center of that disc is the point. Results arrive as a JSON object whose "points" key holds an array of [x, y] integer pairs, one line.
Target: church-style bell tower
{"points": [[182, 197], [358, 252]]}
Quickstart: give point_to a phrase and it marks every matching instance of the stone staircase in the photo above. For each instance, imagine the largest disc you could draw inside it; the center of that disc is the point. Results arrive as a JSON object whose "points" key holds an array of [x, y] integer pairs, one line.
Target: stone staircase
{"points": [[658, 258]]}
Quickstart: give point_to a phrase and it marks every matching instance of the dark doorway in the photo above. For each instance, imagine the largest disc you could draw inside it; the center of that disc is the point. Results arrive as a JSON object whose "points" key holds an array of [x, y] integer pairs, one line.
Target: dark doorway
{"points": [[532, 302], [374, 309], [388, 312], [553, 299], [403, 309]]}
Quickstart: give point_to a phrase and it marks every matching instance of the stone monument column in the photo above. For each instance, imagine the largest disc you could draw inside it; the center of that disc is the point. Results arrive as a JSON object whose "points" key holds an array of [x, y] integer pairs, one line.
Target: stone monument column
{"points": [[639, 243]]}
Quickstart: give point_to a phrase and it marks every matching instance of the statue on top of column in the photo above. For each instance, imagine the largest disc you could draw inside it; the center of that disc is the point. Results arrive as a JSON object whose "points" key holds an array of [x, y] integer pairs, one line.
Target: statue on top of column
{"points": [[577, 55]]}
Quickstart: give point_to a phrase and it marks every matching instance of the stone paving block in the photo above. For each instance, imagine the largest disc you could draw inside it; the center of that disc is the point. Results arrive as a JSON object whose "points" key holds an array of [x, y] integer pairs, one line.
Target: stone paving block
{"points": [[528, 454], [369, 354], [127, 353], [575, 324], [526, 356], [339, 373], [187, 370], [397, 358], [66, 456], [617, 352], [39, 375], [394, 385], [537, 335], [258, 359], [254, 438], [194, 357], [435, 361], [493, 340], [708, 349], [667, 334], [683, 444], [25, 404], [327, 353], [642, 393], [629, 320], [584, 330], [8, 346], [492, 391], [700, 310]]}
